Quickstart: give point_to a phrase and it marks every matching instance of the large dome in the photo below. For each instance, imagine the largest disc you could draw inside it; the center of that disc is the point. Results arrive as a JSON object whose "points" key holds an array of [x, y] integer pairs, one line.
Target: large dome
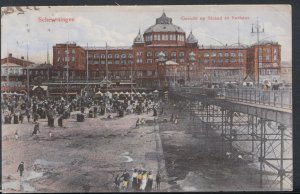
{"points": [[164, 24]]}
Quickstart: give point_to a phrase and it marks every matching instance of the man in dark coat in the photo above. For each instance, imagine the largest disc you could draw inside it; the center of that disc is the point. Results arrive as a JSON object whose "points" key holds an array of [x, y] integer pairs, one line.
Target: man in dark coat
{"points": [[158, 179], [21, 117], [126, 178], [36, 129], [21, 169]]}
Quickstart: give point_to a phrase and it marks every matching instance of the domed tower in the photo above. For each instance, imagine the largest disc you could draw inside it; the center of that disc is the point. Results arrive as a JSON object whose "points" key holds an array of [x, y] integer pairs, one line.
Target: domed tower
{"points": [[139, 40], [191, 40], [164, 32]]}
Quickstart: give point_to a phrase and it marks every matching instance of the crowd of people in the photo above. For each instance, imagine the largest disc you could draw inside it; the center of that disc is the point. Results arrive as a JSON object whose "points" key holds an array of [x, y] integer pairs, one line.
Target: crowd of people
{"points": [[15, 108], [140, 180]]}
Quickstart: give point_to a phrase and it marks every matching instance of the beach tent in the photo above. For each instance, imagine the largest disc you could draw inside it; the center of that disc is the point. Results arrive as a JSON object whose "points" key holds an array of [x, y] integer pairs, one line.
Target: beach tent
{"points": [[99, 93]]}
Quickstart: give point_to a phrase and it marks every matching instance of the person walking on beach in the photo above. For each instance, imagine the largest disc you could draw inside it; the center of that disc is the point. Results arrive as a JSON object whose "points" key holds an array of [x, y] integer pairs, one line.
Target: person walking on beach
{"points": [[16, 135], [144, 181], [176, 119], [36, 129], [21, 117], [28, 116], [137, 123], [149, 182], [126, 178], [139, 180], [134, 180], [21, 168], [158, 179]]}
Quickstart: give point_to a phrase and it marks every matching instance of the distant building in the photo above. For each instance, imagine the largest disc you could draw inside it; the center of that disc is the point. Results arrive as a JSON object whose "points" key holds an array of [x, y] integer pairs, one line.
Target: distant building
{"points": [[10, 59], [42, 71], [12, 78]]}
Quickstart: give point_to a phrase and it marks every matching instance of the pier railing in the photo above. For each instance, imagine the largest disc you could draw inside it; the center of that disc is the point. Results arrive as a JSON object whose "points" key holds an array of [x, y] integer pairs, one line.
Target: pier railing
{"points": [[273, 98]]}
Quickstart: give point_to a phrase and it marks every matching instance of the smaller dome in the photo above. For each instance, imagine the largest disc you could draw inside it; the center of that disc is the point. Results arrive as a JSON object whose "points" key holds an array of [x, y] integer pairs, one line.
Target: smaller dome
{"points": [[139, 38], [191, 39]]}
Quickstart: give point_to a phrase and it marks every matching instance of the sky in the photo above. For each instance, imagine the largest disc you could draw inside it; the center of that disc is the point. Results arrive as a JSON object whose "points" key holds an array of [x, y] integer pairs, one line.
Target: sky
{"points": [[119, 25]]}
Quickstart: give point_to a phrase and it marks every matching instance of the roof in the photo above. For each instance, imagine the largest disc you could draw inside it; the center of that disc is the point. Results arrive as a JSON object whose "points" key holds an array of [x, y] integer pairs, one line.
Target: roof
{"points": [[139, 38], [191, 38], [10, 65], [264, 42], [164, 24]]}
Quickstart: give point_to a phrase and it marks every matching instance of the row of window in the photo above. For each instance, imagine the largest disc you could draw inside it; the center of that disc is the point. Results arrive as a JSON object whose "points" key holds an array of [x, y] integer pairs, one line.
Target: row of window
{"points": [[268, 50], [268, 57], [12, 71], [173, 54], [268, 71], [110, 56], [164, 37], [224, 73], [221, 60], [213, 54], [67, 51], [65, 59], [116, 62]]}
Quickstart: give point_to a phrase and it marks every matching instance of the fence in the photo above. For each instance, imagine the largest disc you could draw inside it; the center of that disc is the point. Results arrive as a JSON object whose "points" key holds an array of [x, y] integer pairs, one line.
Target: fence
{"points": [[274, 98]]}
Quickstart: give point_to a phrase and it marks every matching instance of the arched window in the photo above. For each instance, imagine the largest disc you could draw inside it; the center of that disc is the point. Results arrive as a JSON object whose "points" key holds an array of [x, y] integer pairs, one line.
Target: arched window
{"points": [[117, 56], [123, 56]]}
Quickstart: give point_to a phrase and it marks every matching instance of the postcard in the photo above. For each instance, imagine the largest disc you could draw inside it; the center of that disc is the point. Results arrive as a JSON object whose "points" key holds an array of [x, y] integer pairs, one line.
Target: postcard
{"points": [[161, 98]]}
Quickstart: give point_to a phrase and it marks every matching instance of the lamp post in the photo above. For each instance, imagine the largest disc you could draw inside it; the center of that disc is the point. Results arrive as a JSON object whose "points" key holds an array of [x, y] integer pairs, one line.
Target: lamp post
{"points": [[161, 59], [191, 61], [27, 65], [258, 31]]}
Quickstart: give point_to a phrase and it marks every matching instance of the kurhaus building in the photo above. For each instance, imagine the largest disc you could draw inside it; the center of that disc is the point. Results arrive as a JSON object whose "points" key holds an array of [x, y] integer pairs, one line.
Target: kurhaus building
{"points": [[164, 54]]}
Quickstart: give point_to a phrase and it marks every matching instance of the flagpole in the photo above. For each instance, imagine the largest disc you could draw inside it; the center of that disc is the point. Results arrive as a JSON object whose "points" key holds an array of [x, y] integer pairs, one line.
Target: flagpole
{"points": [[106, 67], [87, 63], [68, 70]]}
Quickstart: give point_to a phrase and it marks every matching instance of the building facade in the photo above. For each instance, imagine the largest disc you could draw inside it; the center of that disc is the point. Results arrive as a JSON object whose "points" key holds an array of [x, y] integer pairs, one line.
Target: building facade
{"points": [[12, 78], [264, 61], [163, 55]]}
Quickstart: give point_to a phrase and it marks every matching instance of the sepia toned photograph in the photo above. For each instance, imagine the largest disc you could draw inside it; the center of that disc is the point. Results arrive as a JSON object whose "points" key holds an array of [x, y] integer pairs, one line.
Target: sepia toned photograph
{"points": [[169, 98]]}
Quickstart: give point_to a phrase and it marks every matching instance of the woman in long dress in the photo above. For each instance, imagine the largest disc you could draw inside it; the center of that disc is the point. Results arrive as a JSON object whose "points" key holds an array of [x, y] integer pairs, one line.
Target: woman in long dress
{"points": [[149, 182], [134, 180], [144, 181]]}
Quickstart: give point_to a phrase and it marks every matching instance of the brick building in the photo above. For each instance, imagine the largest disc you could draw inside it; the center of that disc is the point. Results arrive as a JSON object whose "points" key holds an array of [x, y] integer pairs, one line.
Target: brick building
{"points": [[10, 59], [163, 55], [72, 55], [264, 61]]}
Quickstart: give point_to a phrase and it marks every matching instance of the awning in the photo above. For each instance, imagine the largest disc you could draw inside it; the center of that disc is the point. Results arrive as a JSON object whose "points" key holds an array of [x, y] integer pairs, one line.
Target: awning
{"points": [[99, 93], [171, 63], [45, 88]]}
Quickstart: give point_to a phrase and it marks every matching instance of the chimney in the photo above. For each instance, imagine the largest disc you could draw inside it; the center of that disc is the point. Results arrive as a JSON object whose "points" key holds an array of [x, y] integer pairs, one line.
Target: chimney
{"points": [[22, 58], [9, 55]]}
